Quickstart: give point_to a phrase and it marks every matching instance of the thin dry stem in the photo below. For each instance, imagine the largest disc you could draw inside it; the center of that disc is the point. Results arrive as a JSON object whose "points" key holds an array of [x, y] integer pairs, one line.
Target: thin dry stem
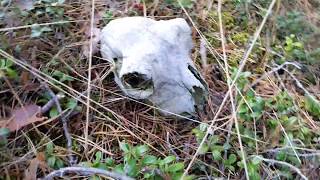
{"points": [[85, 171], [86, 131]]}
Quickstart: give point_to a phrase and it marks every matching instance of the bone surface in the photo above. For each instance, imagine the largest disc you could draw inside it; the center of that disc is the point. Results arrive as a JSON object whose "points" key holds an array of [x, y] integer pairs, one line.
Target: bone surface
{"points": [[152, 61]]}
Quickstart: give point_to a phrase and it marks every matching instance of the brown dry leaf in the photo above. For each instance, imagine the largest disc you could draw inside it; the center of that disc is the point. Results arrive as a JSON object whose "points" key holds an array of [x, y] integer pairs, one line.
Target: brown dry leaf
{"points": [[275, 136], [25, 77], [22, 117], [31, 172], [39, 162]]}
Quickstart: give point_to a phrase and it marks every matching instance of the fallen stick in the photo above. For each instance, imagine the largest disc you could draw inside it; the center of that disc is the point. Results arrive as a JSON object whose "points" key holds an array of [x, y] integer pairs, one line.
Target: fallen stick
{"points": [[85, 171]]}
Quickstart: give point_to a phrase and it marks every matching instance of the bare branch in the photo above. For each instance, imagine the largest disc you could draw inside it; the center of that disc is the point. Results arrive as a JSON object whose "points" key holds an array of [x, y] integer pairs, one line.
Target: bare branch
{"points": [[64, 124], [85, 171], [272, 161]]}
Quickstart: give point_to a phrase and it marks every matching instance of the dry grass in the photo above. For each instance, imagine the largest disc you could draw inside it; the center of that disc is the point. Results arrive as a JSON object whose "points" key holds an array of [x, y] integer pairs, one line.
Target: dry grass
{"points": [[108, 117]]}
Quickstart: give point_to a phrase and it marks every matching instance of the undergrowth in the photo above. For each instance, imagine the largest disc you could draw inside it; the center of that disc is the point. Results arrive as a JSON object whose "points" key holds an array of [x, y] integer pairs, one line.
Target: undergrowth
{"points": [[276, 95]]}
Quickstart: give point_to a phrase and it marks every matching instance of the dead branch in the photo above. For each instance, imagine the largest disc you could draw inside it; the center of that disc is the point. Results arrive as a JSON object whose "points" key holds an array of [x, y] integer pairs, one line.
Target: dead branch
{"points": [[285, 164], [86, 172], [64, 124]]}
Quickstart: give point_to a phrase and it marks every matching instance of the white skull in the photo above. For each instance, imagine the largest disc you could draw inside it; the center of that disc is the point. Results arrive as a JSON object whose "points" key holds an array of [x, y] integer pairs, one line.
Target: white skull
{"points": [[152, 61]]}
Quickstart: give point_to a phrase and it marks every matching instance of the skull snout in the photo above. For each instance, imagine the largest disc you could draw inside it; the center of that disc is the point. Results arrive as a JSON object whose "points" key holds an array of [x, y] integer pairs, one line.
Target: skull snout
{"points": [[137, 85], [137, 81]]}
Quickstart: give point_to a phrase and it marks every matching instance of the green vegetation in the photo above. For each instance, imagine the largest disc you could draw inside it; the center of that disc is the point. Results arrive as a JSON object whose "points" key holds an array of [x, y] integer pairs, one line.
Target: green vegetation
{"points": [[277, 104], [138, 163]]}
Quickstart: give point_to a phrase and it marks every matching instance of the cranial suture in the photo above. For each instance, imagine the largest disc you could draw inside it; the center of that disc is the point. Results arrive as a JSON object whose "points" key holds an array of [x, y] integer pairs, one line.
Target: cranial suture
{"points": [[152, 61]]}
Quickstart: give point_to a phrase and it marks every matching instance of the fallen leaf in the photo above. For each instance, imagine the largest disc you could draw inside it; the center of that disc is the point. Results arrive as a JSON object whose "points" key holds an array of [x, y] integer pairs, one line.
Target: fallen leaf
{"points": [[39, 162], [22, 117], [25, 77], [31, 172]]}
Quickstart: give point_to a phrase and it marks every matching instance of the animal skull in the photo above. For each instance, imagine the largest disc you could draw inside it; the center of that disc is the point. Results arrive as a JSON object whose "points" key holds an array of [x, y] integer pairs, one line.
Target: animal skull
{"points": [[152, 61]]}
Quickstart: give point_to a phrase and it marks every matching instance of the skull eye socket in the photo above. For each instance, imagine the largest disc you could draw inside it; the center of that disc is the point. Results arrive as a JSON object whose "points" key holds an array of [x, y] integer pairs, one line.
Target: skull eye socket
{"points": [[137, 81]]}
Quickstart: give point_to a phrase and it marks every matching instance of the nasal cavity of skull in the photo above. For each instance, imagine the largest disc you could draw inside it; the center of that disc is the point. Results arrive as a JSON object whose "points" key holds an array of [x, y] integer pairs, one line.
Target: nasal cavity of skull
{"points": [[115, 59], [137, 80], [198, 95]]}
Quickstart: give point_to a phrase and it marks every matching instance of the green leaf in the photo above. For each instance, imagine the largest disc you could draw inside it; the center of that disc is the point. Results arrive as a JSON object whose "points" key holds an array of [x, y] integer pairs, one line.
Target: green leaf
{"points": [[109, 162], [53, 112], [59, 163], [131, 168], [85, 164], [147, 175], [203, 127], [253, 171], [4, 132], [231, 168], [66, 77], [98, 156], [168, 160], [101, 166], [226, 146], [119, 168], [176, 167], [149, 159], [49, 148], [216, 155], [94, 177], [72, 103], [125, 147], [11, 73], [213, 140], [2, 63], [37, 30], [185, 3], [51, 161], [312, 105], [281, 156], [232, 158], [141, 150], [204, 149], [243, 108]]}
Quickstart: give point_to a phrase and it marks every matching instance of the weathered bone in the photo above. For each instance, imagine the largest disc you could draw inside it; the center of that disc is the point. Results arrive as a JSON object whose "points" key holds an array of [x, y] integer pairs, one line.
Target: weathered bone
{"points": [[152, 61]]}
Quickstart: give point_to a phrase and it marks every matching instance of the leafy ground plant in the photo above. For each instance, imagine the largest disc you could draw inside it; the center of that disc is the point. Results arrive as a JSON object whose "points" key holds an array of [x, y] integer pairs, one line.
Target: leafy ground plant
{"points": [[138, 163]]}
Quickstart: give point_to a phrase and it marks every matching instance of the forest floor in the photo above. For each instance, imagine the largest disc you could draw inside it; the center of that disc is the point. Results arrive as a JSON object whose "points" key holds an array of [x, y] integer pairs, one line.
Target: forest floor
{"points": [[260, 58]]}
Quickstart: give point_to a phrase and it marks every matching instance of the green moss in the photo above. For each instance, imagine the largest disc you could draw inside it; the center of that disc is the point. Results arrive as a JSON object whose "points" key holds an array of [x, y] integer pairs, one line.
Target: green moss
{"points": [[240, 38]]}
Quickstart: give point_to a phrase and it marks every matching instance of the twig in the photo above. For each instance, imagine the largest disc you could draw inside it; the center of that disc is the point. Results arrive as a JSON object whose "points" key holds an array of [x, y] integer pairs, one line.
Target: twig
{"points": [[50, 103], [42, 24], [86, 131], [272, 71], [170, 147], [85, 171], [285, 164], [233, 105], [203, 53], [227, 142], [47, 107], [292, 154], [301, 86], [64, 124]]}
